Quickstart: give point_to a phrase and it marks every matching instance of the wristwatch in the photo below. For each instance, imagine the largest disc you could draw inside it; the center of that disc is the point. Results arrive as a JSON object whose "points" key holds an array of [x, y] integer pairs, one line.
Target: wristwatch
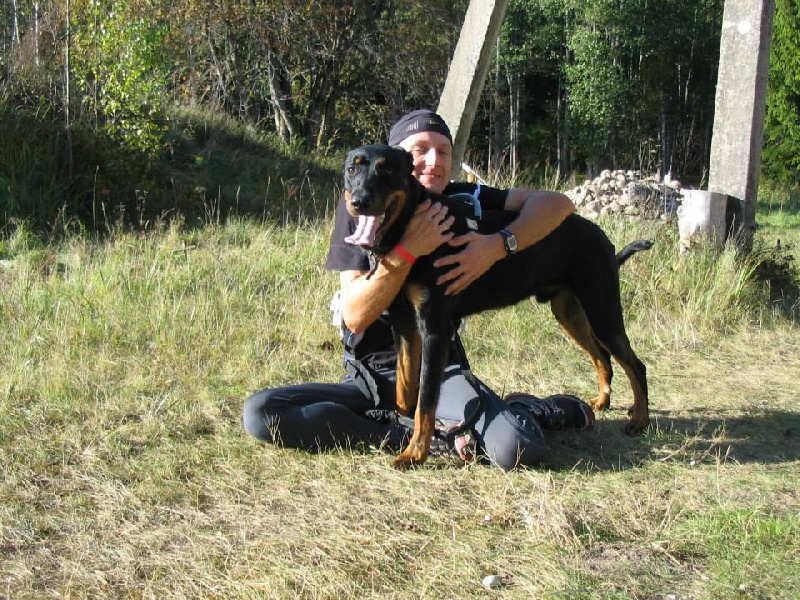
{"points": [[509, 241]]}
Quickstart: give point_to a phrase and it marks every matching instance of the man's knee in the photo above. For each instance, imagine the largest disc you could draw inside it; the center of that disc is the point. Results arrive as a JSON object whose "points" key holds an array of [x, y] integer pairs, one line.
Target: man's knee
{"points": [[508, 441], [258, 418]]}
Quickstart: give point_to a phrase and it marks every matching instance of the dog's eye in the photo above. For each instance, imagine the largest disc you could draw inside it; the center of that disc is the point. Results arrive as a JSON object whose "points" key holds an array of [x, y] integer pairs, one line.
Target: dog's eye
{"points": [[351, 170], [382, 170]]}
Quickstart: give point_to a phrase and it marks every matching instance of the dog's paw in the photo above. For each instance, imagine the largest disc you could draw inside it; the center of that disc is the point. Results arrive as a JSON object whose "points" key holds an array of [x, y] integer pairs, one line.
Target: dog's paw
{"points": [[413, 456], [406, 461], [599, 403], [637, 426]]}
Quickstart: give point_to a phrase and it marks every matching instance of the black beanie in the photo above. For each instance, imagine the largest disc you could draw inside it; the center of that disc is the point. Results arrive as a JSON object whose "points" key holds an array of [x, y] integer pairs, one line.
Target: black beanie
{"points": [[416, 121]]}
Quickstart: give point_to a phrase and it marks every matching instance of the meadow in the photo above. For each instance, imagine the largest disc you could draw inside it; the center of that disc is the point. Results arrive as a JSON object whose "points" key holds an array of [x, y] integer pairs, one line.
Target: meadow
{"points": [[125, 472]]}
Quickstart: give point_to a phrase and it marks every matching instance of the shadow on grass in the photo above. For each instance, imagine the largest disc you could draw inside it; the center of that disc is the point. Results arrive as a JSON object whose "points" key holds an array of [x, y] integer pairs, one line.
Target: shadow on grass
{"points": [[770, 437], [763, 437], [206, 169]]}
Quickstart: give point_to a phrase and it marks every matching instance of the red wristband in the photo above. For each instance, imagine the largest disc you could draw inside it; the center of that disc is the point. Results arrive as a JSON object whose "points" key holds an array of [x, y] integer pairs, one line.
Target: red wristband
{"points": [[403, 253]]}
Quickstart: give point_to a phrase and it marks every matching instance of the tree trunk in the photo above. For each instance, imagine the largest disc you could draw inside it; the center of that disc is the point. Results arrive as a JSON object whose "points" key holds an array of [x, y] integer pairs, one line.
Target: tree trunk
{"points": [[280, 99], [14, 24], [67, 93], [495, 156], [513, 122], [562, 132]]}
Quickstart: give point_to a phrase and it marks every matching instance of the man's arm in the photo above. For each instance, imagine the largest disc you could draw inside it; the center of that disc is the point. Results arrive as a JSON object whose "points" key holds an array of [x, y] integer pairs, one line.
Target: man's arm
{"points": [[365, 296], [540, 212]]}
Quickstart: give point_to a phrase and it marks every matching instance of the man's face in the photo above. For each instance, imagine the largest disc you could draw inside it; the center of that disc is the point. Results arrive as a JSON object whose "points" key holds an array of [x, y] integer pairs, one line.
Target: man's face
{"points": [[433, 159]]}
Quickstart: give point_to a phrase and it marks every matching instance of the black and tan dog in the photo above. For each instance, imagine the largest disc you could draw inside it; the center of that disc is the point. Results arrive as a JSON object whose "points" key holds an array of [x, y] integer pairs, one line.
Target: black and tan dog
{"points": [[574, 268]]}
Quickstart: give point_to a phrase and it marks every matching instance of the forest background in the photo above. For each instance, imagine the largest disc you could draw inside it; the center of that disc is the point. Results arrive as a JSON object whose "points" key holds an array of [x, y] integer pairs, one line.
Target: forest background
{"points": [[114, 106]]}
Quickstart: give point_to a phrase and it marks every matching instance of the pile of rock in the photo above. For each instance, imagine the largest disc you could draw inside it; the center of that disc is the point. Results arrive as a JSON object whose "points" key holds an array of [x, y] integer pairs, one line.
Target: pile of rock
{"points": [[626, 193]]}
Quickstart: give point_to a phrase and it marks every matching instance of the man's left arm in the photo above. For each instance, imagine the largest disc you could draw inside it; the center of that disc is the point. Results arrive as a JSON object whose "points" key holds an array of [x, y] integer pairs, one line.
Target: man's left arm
{"points": [[540, 212]]}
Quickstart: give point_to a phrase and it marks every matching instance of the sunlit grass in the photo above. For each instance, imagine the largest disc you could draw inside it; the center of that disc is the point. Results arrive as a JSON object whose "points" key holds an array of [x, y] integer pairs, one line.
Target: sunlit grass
{"points": [[126, 473]]}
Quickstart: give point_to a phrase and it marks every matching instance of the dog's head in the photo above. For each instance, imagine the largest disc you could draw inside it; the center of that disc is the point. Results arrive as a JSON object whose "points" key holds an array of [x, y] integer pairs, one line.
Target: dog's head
{"points": [[377, 188]]}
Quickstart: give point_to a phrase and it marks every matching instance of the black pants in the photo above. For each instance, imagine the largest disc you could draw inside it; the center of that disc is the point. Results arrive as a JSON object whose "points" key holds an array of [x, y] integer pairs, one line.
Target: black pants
{"points": [[318, 416]]}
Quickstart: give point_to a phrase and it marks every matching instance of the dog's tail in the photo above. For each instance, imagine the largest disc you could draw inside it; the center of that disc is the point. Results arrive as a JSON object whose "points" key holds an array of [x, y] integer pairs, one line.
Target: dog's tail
{"points": [[632, 249]]}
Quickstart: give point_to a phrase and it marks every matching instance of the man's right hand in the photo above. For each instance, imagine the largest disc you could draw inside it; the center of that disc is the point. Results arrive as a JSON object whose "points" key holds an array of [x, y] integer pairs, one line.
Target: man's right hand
{"points": [[428, 229], [366, 295]]}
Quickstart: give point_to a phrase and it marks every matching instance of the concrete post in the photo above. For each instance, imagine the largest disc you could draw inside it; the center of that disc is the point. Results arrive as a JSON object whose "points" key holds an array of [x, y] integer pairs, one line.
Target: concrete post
{"points": [[739, 111], [467, 73]]}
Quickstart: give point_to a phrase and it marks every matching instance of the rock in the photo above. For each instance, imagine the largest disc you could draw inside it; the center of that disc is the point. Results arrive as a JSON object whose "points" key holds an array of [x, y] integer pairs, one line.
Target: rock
{"points": [[492, 582], [626, 192]]}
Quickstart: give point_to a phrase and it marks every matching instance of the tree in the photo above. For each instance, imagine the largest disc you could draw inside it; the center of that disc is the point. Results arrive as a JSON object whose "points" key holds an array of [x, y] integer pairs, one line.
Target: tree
{"points": [[120, 69], [781, 154], [316, 71], [523, 88]]}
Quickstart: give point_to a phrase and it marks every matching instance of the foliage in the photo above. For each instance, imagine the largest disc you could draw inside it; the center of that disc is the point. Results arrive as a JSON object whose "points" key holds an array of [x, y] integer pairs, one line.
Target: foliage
{"points": [[120, 70], [317, 70], [605, 84], [639, 71], [781, 155], [778, 269], [528, 57], [34, 178], [578, 85]]}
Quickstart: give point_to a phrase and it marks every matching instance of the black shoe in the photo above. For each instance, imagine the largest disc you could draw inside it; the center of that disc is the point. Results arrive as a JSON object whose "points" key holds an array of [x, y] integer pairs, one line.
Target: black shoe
{"points": [[400, 428], [579, 415], [560, 411]]}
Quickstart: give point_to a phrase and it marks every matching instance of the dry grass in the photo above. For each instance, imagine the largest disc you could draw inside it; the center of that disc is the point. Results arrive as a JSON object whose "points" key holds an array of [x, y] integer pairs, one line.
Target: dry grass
{"points": [[125, 471]]}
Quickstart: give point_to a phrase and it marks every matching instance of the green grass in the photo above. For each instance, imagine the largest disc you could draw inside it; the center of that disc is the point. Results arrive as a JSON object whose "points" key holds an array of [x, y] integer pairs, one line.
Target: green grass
{"points": [[124, 470]]}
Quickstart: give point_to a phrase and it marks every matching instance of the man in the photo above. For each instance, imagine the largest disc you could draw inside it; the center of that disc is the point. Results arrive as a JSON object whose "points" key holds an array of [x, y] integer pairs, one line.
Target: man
{"points": [[360, 408]]}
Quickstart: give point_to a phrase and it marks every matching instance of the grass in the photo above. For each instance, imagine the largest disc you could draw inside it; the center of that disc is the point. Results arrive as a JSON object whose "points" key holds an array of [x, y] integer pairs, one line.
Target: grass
{"points": [[125, 471]]}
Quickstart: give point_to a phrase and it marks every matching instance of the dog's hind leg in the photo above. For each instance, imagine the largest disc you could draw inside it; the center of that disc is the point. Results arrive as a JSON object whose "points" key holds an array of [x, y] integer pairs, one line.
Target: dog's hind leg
{"points": [[570, 315], [637, 374], [605, 316], [620, 347]]}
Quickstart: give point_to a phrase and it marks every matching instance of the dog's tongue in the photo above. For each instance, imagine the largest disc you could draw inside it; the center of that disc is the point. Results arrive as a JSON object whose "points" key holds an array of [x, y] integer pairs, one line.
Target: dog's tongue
{"points": [[364, 235]]}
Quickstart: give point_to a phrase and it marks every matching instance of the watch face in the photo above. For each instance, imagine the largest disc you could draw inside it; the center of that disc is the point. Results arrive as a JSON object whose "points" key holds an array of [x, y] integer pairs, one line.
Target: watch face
{"points": [[509, 241]]}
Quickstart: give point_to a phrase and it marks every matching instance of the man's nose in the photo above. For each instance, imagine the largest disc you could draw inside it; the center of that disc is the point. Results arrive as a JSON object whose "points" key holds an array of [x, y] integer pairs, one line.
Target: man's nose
{"points": [[431, 157]]}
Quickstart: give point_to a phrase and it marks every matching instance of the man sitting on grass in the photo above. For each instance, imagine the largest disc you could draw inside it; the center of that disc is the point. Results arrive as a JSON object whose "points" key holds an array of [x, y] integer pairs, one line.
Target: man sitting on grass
{"points": [[360, 409]]}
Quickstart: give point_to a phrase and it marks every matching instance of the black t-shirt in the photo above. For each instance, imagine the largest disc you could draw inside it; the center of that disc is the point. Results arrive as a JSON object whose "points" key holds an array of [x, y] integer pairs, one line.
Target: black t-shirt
{"points": [[377, 340]]}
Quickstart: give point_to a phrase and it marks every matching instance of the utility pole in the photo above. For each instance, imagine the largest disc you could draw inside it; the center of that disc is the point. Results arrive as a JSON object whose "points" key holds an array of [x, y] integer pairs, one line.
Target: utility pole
{"points": [[468, 69], [740, 107]]}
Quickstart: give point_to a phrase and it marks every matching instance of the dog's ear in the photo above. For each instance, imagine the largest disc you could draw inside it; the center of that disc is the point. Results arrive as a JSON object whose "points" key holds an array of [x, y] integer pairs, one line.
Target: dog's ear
{"points": [[409, 158]]}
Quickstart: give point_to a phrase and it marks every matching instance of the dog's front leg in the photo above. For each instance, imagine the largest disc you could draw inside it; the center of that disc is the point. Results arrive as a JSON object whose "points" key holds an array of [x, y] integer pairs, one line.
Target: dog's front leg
{"points": [[409, 349], [434, 336]]}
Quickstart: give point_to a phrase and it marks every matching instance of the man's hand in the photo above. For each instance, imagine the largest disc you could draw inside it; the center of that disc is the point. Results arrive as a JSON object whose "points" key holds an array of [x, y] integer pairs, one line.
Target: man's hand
{"points": [[540, 212], [428, 229], [479, 254]]}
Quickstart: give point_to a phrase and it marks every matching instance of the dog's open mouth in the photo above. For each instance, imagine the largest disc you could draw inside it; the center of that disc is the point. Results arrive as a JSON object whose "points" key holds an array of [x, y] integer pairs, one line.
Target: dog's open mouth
{"points": [[370, 228], [367, 227]]}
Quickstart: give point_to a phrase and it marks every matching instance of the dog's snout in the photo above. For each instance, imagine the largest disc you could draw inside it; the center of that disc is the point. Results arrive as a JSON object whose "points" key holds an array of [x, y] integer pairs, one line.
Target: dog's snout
{"points": [[358, 201]]}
